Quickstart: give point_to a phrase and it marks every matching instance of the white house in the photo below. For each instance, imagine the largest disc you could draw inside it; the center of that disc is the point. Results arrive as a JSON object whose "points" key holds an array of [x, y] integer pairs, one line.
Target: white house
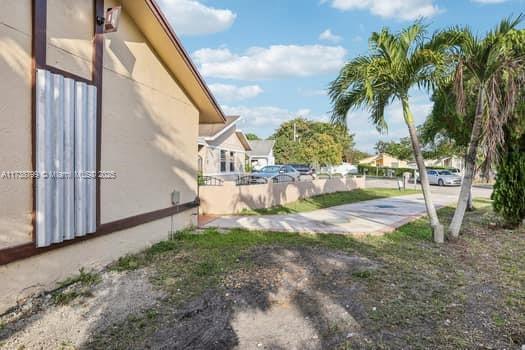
{"points": [[261, 153], [222, 149]]}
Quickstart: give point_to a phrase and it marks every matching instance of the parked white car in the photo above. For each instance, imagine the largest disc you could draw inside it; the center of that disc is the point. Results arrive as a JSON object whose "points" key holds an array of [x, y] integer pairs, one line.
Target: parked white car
{"points": [[343, 169], [443, 178]]}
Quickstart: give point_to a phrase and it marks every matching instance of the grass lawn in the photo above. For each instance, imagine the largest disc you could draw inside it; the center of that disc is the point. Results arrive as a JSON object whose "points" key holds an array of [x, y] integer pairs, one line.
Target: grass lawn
{"points": [[283, 290], [404, 291], [330, 200]]}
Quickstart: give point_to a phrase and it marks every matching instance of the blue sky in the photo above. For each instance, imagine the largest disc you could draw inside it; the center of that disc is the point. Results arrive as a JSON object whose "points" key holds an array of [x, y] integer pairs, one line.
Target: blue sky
{"points": [[271, 60]]}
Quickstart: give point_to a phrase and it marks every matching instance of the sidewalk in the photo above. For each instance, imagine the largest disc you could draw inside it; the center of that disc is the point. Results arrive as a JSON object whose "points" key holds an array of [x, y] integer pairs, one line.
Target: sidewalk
{"points": [[372, 217]]}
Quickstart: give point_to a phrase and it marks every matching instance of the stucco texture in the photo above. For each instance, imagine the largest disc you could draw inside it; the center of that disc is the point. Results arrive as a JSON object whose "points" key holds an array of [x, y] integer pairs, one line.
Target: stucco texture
{"points": [[231, 199], [70, 36], [149, 133], [149, 129], [24, 279], [15, 121]]}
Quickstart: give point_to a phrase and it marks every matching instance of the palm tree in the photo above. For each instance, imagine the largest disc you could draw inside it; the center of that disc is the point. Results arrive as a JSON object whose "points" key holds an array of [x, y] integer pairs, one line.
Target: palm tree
{"points": [[396, 63], [494, 72]]}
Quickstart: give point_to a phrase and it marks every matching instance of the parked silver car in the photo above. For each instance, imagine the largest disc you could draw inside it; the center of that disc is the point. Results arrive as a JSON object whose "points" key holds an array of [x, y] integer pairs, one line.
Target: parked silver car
{"points": [[443, 178], [275, 172]]}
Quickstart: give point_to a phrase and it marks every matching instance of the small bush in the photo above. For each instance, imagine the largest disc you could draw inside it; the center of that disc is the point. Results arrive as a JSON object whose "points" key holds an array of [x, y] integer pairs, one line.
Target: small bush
{"points": [[509, 189]]}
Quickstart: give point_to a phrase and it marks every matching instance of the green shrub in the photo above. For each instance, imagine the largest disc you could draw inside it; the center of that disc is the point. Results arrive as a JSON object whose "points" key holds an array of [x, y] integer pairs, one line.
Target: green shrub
{"points": [[382, 171], [509, 189]]}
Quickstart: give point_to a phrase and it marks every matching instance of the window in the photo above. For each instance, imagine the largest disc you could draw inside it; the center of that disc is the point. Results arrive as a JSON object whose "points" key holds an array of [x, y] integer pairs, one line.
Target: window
{"points": [[232, 162], [66, 148], [223, 161]]}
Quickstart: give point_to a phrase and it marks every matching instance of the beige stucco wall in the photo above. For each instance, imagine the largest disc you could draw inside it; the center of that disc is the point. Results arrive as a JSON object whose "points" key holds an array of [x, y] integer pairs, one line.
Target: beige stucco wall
{"points": [[15, 121], [393, 162], [70, 35], [229, 198], [229, 141], [22, 278], [210, 160], [149, 128], [149, 133]]}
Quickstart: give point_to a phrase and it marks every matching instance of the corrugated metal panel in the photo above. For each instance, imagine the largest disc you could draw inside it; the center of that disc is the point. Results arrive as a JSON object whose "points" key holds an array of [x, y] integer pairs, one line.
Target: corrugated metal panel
{"points": [[65, 157], [69, 158], [91, 161], [80, 158]]}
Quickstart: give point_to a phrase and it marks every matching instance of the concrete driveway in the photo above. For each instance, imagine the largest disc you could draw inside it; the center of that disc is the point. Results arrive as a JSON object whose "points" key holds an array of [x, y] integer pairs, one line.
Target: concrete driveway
{"points": [[376, 216]]}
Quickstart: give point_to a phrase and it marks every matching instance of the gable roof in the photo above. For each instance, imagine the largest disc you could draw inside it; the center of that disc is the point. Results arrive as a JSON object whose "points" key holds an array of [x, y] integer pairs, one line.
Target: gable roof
{"points": [[261, 147], [212, 131], [149, 18], [244, 140], [376, 157]]}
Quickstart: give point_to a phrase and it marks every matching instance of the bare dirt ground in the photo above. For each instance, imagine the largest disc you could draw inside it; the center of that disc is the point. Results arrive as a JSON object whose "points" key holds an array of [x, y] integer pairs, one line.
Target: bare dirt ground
{"points": [[45, 322], [283, 301], [247, 290]]}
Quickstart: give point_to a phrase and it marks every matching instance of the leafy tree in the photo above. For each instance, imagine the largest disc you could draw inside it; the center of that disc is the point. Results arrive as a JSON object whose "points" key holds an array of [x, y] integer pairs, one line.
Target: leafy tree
{"points": [[401, 150], [252, 137], [353, 155], [396, 63], [313, 143], [509, 189], [493, 71]]}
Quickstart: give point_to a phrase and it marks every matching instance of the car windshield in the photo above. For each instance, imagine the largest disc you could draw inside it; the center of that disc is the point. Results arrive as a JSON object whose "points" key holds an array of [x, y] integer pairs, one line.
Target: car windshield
{"points": [[270, 169], [300, 166], [445, 172]]}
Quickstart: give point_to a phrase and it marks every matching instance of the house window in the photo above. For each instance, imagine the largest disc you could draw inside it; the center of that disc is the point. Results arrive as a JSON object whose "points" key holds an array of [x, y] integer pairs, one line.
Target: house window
{"points": [[223, 161], [232, 162]]}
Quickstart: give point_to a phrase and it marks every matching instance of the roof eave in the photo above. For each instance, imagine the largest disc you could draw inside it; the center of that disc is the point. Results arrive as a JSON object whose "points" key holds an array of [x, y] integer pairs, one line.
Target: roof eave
{"points": [[159, 15]]}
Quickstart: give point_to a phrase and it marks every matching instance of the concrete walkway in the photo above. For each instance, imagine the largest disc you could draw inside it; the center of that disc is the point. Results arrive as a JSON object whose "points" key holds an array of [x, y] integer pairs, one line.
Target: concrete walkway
{"points": [[372, 217]]}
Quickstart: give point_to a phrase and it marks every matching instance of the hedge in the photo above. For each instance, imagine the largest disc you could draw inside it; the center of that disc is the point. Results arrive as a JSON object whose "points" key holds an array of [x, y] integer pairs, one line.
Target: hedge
{"points": [[509, 189], [382, 171]]}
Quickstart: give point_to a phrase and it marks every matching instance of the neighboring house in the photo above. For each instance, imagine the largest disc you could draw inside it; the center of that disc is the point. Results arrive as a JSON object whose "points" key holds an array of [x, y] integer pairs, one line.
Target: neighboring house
{"points": [[452, 162], [105, 126], [384, 160], [261, 153], [447, 162], [222, 149]]}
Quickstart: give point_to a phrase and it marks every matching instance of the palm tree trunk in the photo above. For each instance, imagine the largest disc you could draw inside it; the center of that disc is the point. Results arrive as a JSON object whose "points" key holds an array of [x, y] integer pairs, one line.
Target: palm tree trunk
{"points": [[470, 204], [437, 228], [470, 164]]}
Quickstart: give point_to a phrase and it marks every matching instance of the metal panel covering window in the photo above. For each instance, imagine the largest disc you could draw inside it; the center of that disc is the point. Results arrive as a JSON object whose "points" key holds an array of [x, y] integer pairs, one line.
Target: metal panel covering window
{"points": [[65, 158]]}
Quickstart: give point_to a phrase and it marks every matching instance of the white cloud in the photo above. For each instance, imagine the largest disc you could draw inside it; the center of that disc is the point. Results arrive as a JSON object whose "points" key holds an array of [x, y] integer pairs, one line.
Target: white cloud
{"points": [[489, 1], [267, 117], [366, 135], [327, 35], [227, 92], [400, 9], [190, 17], [312, 92], [275, 61]]}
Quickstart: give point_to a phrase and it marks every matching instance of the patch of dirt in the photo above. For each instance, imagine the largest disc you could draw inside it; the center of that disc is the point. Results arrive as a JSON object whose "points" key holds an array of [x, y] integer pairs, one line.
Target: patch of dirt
{"points": [[43, 324], [296, 298]]}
